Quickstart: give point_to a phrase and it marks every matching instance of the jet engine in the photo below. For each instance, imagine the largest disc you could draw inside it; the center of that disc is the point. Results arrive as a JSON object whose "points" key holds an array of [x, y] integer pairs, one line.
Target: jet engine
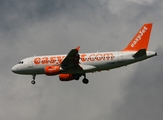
{"points": [[66, 77], [52, 70]]}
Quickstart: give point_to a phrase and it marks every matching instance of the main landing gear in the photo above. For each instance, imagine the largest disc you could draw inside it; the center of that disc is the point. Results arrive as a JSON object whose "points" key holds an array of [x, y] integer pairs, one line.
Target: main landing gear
{"points": [[85, 80], [33, 81]]}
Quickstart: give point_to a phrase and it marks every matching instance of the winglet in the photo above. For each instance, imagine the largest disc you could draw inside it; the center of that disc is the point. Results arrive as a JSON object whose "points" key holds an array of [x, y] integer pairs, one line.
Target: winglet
{"points": [[77, 48], [141, 39]]}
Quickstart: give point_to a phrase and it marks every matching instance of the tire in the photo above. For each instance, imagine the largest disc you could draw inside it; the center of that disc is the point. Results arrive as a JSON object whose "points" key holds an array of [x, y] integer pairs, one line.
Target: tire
{"points": [[33, 82], [76, 77], [85, 81]]}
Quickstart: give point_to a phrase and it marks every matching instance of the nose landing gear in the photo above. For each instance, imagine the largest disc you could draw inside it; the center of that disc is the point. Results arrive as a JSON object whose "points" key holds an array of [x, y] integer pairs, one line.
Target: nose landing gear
{"points": [[33, 81]]}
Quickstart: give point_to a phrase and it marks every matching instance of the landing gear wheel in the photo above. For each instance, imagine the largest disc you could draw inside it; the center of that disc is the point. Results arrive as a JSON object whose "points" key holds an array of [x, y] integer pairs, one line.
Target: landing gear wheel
{"points": [[33, 82], [76, 77], [85, 81]]}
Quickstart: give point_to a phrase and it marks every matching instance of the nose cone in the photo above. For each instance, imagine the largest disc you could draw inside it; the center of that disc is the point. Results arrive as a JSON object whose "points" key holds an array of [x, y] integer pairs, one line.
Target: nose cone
{"points": [[15, 69]]}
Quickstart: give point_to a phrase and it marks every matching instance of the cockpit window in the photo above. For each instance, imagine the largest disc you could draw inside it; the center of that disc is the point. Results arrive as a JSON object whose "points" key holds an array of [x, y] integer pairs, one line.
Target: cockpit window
{"points": [[21, 62]]}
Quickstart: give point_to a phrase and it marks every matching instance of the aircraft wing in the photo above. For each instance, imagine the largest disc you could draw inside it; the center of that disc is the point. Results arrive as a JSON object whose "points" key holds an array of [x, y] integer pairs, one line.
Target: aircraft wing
{"points": [[72, 59]]}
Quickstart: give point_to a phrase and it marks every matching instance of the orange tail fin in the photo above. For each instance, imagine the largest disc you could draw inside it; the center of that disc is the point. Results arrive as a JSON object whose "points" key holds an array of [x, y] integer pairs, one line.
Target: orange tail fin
{"points": [[141, 39]]}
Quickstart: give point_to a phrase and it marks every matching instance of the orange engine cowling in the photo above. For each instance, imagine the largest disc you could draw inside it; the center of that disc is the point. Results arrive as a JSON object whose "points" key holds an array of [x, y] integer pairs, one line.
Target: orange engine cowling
{"points": [[52, 70], [66, 77]]}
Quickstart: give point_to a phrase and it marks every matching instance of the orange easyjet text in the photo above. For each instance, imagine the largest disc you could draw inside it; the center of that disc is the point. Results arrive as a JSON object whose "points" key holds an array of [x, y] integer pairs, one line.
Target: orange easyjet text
{"points": [[83, 57]]}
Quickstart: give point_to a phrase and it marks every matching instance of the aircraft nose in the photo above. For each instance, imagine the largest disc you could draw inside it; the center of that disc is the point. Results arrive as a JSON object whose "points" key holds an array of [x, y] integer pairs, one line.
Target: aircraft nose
{"points": [[14, 69]]}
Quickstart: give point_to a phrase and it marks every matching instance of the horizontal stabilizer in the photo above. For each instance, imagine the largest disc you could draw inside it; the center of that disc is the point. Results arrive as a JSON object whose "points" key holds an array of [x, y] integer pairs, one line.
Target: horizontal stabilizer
{"points": [[140, 53]]}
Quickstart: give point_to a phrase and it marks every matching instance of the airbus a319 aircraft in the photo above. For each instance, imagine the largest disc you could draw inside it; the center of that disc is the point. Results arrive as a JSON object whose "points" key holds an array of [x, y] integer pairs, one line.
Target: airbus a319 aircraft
{"points": [[74, 65]]}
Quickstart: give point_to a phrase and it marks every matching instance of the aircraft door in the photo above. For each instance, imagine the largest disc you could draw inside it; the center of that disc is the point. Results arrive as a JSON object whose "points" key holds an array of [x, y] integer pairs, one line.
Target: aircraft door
{"points": [[120, 57], [30, 62]]}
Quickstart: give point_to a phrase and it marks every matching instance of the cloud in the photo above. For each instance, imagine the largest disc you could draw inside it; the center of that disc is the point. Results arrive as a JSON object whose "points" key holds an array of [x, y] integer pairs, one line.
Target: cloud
{"points": [[56, 26], [143, 93]]}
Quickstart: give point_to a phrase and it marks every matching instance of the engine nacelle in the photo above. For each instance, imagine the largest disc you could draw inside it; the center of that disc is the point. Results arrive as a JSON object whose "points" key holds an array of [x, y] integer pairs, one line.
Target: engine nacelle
{"points": [[52, 70], [66, 77]]}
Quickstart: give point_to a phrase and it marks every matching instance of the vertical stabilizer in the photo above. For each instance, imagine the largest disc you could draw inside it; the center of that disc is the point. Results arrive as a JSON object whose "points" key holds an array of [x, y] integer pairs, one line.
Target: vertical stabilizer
{"points": [[141, 39]]}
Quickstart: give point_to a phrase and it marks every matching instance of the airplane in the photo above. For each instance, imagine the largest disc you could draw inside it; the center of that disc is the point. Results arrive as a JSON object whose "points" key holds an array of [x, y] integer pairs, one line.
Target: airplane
{"points": [[74, 65]]}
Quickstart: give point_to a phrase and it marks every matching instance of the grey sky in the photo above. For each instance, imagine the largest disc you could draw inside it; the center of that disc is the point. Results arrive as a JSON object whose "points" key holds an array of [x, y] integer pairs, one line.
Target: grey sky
{"points": [[42, 27]]}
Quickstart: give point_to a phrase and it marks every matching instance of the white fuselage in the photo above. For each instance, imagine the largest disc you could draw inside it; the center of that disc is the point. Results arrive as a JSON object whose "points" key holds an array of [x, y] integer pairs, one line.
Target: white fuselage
{"points": [[89, 62]]}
